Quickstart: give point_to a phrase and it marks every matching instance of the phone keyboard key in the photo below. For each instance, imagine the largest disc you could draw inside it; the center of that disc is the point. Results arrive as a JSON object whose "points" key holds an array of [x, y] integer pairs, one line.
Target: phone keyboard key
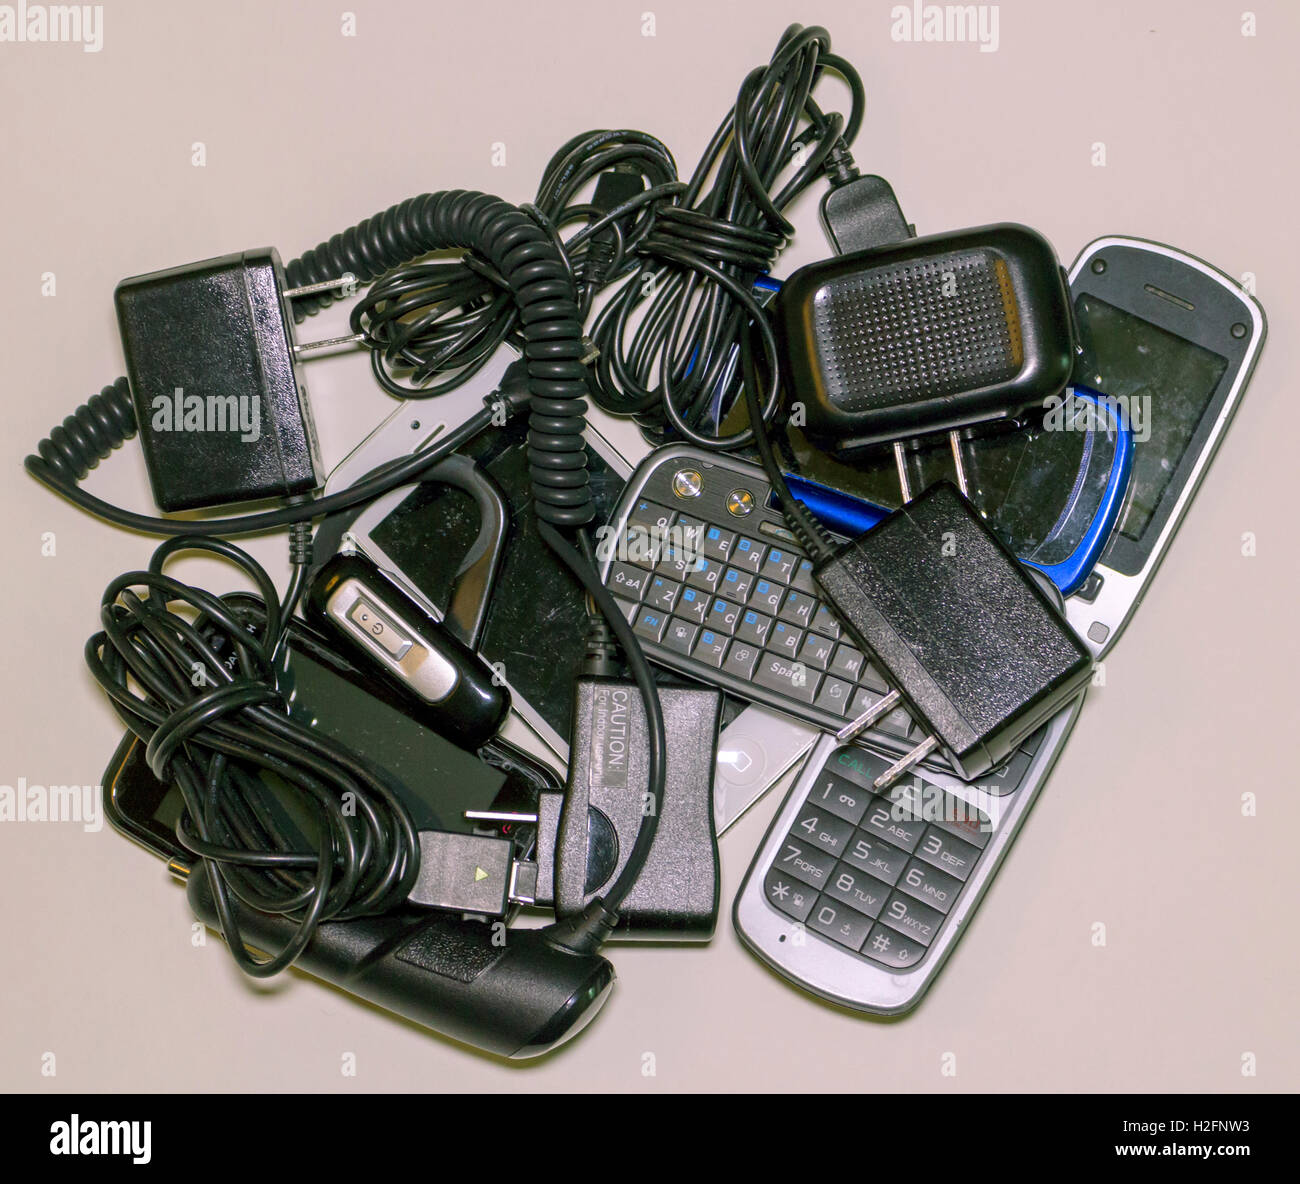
{"points": [[816, 651], [847, 662], [881, 820], [797, 608], [861, 892], [947, 853], [839, 922], [870, 854], [626, 580], [649, 514], [741, 659], [767, 597], [840, 797], [754, 627], [911, 918], [805, 862], [723, 616], [693, 605], [791, 896], [834, 695], [891, 948], [705, 574], [681, 635], [711, 648], [650, 624], [717, 543], [785, 675], [786, 640], [929, 885], [828, 831], [663, 593], [748, 554]]}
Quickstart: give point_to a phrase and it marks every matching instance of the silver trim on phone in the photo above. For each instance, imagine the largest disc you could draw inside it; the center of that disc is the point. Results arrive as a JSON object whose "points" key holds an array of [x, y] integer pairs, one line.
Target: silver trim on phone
{"points": [[1120, 594]]}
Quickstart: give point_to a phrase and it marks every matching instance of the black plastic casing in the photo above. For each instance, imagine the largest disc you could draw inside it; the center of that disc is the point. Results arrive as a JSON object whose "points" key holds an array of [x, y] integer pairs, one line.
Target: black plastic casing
{"points": [[925, 335], [218, 332], [583, 850], [978, 650], [477, 706], [515, 995]]}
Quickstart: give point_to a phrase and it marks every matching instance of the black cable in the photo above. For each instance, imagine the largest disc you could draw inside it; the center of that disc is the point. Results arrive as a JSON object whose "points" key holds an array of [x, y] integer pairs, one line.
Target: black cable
{"points": [[62, 479], [669, 338], [203, 696], [447, 318]]}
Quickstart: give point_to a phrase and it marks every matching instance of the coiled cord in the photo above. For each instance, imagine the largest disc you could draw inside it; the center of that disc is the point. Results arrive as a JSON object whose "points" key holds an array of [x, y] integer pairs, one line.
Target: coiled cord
{"points": [[535, 273], [666, 345], [430, 326], [204, 697], [90, 433]]}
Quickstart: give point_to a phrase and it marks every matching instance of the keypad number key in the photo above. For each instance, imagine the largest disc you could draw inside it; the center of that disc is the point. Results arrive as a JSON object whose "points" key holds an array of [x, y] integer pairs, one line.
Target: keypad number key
{"points": [[842, 799], [828, 831]]}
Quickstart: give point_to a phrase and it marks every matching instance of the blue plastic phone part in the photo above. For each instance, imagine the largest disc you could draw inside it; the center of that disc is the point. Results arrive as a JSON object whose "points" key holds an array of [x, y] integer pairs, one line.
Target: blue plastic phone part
{"points": [[841, 512], [1071, 571], [851, 516]]}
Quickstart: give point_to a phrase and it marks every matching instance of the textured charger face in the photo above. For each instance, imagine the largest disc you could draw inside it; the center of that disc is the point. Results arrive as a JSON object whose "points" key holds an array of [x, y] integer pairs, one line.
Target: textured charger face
{"points": [[917, 329], [925, 335]]}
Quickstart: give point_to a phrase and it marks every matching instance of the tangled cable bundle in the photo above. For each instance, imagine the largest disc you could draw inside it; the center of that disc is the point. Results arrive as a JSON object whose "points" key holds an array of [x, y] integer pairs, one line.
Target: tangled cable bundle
{"points": [[203, 692], [666, 343], [196, 677], [533, 278]]}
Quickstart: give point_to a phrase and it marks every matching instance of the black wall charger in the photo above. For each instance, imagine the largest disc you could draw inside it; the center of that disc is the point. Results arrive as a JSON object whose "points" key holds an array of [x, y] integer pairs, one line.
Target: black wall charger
{"points": [[924, 335]]}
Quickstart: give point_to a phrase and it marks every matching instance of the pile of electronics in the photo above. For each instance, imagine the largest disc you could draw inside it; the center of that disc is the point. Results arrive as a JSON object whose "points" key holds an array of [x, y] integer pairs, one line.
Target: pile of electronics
{"points": [[895, 507]]}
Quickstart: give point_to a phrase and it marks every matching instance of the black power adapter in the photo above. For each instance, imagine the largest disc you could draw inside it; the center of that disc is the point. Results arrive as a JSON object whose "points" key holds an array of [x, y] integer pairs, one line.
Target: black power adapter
{"points": [[923, 335], [975, 647], [591, 835], [219, 406]]}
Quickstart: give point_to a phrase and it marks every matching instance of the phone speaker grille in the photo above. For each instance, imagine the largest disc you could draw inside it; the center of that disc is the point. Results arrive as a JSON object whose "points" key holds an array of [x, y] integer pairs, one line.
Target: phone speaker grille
{"points": [[918, 329]]}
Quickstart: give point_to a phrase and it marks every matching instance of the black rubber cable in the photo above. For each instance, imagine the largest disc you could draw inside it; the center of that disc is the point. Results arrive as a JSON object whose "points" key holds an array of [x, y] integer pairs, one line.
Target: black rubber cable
{"points": [[203, 696]]}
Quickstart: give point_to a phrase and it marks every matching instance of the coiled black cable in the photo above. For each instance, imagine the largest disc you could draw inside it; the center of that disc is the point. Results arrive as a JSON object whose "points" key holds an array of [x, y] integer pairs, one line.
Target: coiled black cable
{"points": [[445, 318], [204, 697], [534, 272], [89, 434]]}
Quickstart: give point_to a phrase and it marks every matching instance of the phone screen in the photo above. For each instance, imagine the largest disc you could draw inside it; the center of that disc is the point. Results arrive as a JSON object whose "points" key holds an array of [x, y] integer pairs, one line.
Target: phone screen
{"points": [[1129, 358], [536, 624]]}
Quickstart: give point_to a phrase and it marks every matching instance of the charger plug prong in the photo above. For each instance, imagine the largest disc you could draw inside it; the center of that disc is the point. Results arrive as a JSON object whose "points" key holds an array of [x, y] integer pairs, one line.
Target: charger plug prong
{"points": [[346, 280], [958, 463], [329, 343], [877, 711], [900, 462], [899, 767], [498, 816]]}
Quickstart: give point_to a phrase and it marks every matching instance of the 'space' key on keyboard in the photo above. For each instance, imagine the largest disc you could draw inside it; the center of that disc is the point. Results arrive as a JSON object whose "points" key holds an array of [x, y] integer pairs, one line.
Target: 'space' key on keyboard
{"points": [[788, 676]]}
